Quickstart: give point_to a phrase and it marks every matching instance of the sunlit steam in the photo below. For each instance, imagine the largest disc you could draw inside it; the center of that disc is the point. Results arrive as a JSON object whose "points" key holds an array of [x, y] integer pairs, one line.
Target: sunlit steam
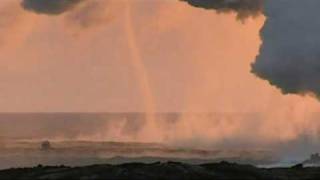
{"points": [[149, 128]]}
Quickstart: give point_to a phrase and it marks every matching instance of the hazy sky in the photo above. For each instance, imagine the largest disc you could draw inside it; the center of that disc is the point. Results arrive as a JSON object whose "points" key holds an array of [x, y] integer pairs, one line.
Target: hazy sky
{"points": [[195, 60], [50, 63]]}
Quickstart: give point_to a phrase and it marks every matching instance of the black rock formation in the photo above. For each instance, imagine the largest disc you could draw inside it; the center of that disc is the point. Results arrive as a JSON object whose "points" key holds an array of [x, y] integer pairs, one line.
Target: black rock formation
{"points": [[169, 170]]}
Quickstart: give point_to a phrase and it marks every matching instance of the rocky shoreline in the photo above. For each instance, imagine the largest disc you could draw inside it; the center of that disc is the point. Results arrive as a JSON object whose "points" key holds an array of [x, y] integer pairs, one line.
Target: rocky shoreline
{"points": [[167, 170]]}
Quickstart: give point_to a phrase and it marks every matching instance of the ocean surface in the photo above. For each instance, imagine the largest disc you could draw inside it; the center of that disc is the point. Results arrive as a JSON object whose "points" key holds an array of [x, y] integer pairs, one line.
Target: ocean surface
{"points": [[78, 139]]}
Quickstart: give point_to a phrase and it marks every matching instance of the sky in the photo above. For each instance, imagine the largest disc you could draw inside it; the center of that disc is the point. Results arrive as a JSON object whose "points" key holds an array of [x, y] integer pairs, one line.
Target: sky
{"points": [[50, 63], [152, 56]]}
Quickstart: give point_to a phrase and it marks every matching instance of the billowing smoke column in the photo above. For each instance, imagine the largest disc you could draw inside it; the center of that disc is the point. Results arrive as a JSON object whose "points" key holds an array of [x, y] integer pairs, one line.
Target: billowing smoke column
{"points": [[53, 7], [290, 55], [243, 8]]}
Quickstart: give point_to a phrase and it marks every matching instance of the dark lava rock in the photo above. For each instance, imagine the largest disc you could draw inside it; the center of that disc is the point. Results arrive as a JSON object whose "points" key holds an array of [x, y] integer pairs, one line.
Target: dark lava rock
{"points": [[297, 166], [163, 171]]}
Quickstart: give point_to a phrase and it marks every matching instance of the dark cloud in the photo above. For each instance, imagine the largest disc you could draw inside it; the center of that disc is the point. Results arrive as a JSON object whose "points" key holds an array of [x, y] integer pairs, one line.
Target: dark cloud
{"points": [[92, 13], [290, 54], [81, 14], [289, 57], [50, 7], [243, 8]]}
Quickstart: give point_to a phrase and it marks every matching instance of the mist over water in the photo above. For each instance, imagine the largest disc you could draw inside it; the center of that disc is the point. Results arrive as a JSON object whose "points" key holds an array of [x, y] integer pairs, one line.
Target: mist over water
{"points": [[173, 129]]}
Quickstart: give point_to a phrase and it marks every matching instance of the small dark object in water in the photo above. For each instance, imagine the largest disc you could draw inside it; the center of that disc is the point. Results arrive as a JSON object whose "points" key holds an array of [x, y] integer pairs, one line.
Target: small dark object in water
{"points": [[45, 146]]}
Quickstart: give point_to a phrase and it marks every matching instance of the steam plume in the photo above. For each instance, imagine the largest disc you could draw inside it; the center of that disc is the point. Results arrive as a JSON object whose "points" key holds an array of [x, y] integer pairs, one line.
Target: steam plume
{"points": [[52, 7], [243, 8], [289, 56], [141, 72]]}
